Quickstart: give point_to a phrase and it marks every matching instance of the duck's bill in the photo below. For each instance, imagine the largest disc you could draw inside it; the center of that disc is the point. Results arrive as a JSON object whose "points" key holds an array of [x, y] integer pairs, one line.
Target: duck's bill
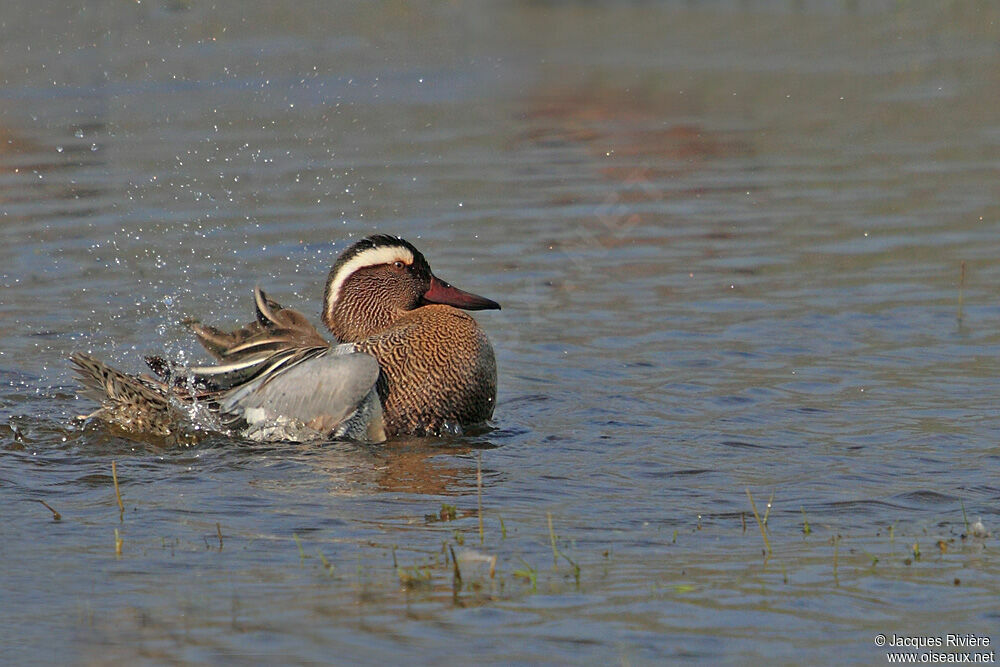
{"points": [[442, 292]]}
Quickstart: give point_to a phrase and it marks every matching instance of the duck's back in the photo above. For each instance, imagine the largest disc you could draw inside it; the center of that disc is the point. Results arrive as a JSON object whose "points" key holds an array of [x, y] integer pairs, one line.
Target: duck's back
{"points": [[438, 371]]}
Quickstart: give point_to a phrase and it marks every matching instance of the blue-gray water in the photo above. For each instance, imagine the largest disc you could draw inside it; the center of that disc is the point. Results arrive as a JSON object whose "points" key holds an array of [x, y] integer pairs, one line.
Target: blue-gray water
{"points": [[740, 246]]}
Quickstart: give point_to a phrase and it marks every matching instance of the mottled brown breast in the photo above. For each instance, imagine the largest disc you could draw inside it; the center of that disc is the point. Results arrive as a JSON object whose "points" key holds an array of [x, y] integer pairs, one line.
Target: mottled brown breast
{"points": [[438, 370]]}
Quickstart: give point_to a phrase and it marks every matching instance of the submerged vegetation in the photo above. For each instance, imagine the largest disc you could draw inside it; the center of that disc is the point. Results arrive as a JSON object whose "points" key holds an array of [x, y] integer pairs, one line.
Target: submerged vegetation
{"points": [[501, 568], [434, 556]]}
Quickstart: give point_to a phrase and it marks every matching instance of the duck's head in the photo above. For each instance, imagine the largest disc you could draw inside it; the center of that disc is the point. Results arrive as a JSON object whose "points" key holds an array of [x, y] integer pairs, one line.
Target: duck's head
{"points": [[378, 279]]}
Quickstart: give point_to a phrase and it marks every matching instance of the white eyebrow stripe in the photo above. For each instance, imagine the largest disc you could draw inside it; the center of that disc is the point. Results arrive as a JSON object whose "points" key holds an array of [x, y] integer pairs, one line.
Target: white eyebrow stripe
{"points": [[369, 257]]}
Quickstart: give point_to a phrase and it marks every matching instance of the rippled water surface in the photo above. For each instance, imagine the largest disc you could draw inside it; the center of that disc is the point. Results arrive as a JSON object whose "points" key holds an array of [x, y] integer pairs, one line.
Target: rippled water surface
{"points": [[747, 256]]}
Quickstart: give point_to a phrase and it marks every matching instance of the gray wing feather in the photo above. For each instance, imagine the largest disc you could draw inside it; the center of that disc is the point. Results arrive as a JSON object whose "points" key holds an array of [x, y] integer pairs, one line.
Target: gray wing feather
{"points": [[322, 389]]}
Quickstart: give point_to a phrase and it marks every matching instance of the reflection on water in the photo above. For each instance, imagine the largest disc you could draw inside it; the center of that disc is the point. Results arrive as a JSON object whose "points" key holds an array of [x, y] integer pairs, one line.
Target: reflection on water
{"points": [[626, 139], [408, 465], [728, 240], [632, 123]]}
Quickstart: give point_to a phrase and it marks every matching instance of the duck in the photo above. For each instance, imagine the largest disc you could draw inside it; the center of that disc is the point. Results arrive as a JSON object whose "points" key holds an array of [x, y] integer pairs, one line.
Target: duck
{"points": [[406, 360]]}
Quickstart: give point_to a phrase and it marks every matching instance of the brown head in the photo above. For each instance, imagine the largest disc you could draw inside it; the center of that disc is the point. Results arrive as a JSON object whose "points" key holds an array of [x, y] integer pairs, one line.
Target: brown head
{"points": [[380, 278]]}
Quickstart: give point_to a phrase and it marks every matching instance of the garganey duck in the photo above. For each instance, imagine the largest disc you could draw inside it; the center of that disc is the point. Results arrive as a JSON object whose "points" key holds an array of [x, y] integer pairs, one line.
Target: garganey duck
{"points": [[408, 362]]}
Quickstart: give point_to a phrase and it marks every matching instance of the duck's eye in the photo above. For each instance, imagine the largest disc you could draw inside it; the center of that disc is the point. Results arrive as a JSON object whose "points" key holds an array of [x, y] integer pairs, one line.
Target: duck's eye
{"points": [[398, 264]]}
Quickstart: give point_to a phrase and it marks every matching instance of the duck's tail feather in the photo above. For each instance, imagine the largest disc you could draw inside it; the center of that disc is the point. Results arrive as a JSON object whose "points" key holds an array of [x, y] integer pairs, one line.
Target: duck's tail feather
{"points": [[278, 339], [136, 404]]}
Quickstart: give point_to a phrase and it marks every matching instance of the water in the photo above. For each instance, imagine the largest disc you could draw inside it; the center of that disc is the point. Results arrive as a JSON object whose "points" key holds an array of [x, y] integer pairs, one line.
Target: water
{"points": [[729, 243]]}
